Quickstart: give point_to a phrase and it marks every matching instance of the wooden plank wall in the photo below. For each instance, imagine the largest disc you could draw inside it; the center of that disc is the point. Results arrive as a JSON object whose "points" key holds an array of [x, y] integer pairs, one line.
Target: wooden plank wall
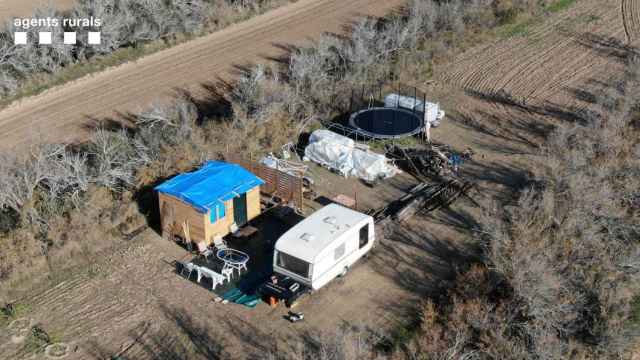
{"points": [[277, 183], [222, 226], [181, 212], [200, 226], [253, 203]]}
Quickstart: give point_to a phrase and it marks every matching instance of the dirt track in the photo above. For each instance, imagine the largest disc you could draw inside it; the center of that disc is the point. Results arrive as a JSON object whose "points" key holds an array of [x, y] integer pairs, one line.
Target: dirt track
{"points": [[16, 8], [59, 114]]}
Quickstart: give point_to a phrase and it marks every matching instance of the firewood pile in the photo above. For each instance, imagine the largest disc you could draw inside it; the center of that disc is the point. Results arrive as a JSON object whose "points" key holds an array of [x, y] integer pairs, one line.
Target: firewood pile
{"points": [[433, 161], [424, 197]]}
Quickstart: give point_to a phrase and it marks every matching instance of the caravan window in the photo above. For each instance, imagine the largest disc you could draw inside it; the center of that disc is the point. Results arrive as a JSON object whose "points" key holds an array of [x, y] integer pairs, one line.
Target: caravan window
{"points": [[293, 264], [339, 252], [364, 236]]}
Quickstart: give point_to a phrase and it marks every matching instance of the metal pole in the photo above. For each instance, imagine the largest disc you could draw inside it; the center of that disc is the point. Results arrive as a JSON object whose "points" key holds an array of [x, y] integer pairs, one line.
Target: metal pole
{"points": [[355, 197], [351, 102]]}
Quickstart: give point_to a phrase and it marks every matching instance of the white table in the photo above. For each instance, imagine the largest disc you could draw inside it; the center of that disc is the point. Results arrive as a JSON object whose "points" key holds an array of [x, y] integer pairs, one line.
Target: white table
{"points": [[216, 278], [233, 259]]}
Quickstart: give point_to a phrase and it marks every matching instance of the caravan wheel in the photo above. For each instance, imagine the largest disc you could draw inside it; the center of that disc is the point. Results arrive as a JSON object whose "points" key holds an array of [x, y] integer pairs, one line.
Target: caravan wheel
{"points": [[344, 271]]}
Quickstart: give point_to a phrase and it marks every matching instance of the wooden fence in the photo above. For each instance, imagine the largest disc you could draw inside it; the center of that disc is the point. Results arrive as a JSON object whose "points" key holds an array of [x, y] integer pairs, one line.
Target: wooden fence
{"points": [[277, 183]]}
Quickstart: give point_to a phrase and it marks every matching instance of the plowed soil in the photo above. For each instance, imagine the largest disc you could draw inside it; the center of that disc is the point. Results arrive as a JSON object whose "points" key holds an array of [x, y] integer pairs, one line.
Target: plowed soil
{"points": [[25, 8], [550, 60], [631, 16], [61, 113]]}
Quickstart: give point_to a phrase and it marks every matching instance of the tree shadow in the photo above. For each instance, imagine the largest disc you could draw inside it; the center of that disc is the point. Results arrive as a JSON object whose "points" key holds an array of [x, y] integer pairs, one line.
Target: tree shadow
{"points": [[123, 121], [257, 342], [418, 261], [214, 105], [507, 175], [183, 337], [148, 204], [558, 112], [605, 46]]}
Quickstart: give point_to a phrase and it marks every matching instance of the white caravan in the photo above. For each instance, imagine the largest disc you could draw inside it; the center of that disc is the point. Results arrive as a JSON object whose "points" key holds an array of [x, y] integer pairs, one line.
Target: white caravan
{"points": [[324, 245]]}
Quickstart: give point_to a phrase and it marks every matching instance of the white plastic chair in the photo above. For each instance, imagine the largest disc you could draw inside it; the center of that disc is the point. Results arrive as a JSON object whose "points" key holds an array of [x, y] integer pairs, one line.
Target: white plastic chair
{"points": [[219, 243], [190, 267], [228, 273], [204, 250]]}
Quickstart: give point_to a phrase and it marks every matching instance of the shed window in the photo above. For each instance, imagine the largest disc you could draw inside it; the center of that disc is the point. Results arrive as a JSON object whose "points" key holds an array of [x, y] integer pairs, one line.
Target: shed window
{"points": [[217, 212], [339, 252], [364, 236]]}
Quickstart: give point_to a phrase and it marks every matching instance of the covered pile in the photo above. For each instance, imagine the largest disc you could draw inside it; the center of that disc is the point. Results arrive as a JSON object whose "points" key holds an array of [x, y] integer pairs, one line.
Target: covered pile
{"points": [[341, 154]]}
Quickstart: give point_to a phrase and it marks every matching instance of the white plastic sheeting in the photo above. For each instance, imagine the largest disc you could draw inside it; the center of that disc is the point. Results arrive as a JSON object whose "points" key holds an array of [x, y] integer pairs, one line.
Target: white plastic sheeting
{"points": [[343, 155], [432, 112], [290, 167], [407, 102]]}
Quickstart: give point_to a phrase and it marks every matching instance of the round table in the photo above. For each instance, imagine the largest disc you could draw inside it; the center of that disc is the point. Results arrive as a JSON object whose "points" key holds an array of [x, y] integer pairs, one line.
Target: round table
{"points": [[233, 259]]}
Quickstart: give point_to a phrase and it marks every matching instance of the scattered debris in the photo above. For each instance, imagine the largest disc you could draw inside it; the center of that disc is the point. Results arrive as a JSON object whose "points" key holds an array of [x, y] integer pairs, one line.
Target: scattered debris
{"points": [[433, 161], [294, 316], [423, 197]]}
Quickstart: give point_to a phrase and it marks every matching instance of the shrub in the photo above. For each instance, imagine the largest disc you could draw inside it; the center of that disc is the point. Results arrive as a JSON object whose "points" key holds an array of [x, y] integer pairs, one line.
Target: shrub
{"points": [[574, 233], [125, 24], [36, 341]]}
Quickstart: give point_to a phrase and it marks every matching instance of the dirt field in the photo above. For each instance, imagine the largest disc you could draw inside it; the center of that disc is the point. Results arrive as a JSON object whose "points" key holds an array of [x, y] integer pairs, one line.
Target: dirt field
{"points": [[59, 114], [22, 8], [501, 100]]}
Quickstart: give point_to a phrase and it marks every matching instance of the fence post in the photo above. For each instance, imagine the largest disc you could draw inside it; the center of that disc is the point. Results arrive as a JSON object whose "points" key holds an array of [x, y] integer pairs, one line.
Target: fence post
{"points": [[351, 102]]}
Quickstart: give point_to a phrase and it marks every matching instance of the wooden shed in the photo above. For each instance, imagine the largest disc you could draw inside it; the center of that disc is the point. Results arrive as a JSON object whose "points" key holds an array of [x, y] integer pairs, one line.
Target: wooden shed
{"points": [[209, 202]]}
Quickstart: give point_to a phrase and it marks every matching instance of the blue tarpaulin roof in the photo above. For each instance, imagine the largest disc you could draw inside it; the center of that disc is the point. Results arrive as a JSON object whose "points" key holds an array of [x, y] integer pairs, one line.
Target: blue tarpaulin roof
{"points": [[211, 185]]}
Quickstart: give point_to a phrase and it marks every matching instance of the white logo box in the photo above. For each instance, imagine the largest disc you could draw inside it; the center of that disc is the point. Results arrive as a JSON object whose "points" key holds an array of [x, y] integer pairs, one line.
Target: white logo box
{"points": [[46, 38]]}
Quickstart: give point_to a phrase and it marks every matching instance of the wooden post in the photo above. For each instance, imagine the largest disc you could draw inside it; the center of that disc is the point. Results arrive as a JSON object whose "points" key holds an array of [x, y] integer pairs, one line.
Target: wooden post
{"points": [[187, 234]]}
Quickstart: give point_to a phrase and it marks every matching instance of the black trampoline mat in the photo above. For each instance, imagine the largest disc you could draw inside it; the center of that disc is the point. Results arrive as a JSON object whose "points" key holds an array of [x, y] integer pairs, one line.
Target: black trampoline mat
{"points": [[382, 122]]}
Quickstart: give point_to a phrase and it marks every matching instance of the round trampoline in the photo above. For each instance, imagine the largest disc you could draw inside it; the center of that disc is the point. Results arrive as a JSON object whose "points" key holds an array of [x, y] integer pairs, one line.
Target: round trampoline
{"points": [[387, 122]]}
